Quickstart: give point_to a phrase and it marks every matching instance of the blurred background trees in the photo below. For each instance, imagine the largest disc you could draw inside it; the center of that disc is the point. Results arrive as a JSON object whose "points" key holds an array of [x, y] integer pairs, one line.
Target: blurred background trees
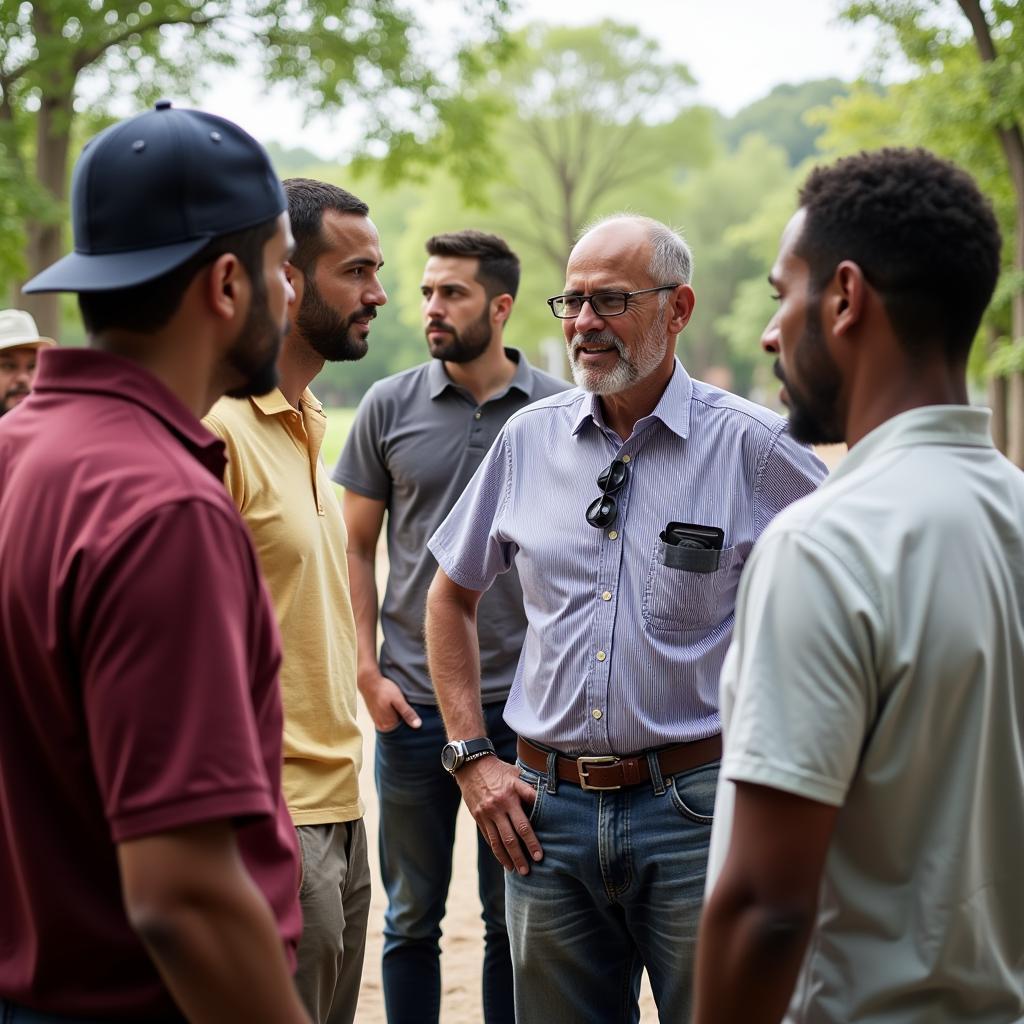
{"points": [[533, 134], [66, 64]]}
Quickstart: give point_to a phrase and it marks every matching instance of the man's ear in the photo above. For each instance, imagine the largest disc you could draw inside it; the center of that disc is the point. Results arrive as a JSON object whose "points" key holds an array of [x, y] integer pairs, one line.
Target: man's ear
{"points": [[297, 279], [845, 298], [501, 308], [227, 288], [681, 303]]}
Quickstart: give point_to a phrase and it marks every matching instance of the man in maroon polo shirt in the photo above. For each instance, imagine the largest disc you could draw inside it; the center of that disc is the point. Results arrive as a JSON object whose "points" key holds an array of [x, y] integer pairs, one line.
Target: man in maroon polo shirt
{"points": [[148, 870]]}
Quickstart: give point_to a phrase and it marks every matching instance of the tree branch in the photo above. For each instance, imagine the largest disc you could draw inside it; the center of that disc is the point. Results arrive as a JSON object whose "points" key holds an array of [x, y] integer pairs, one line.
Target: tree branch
{"points": [[83, 58]]}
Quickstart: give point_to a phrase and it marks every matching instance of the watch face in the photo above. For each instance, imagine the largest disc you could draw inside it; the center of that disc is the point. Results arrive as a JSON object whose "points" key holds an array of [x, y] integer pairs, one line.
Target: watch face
{"points": [[450, 758]]}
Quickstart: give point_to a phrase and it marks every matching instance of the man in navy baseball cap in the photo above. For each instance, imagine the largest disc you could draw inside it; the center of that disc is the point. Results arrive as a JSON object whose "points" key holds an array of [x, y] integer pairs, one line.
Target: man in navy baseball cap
{"points": [[140, 714], [151, 191]]}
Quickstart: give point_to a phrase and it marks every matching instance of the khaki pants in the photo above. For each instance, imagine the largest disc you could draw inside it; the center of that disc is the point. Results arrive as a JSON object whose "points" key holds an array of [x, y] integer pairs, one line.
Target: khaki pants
{"points": [[335, 900]]}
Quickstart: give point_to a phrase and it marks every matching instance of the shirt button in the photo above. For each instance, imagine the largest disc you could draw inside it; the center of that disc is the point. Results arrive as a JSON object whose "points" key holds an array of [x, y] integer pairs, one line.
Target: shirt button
{"points": [[606, 596], [596, 712], [613, 534], [625, 458], [601, 655], [477, 414]]}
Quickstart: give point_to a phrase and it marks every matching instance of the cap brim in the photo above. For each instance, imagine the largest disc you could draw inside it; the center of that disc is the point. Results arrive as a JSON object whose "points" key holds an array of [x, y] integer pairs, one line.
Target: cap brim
{"points": [[29, 343], [79, 272]]}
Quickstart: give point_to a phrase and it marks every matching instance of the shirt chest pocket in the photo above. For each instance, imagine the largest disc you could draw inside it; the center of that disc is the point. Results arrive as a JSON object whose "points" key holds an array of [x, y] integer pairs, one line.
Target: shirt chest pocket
{"points": [[688, 588]]}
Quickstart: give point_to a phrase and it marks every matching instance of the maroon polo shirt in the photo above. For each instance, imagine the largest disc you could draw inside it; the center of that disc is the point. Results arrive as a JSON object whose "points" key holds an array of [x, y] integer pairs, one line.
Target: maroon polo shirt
{"points": [[138, 678]]}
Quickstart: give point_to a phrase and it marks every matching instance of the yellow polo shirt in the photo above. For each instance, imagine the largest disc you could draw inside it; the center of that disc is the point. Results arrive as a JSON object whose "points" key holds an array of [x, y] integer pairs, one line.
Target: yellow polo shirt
{"points": [[279, 483]]}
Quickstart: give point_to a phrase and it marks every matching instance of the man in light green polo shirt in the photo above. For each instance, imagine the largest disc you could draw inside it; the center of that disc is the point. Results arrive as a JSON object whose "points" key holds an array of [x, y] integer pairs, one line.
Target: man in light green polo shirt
{"points": [[282, 489], [869, 827]]}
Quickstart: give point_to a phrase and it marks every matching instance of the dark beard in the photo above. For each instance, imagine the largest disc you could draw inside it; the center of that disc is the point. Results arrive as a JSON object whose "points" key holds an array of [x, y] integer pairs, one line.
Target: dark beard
{"points": [[329, 334], [814, 416], [248, 354], [465, 347]]}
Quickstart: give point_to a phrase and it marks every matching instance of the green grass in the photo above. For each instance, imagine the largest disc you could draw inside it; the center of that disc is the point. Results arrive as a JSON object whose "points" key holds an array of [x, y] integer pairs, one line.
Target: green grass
{"points": [[339, 421]]}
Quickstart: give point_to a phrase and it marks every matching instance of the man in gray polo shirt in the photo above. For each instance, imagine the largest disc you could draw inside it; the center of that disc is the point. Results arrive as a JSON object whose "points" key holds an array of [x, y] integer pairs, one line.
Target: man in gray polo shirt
{"points": [[868, 830], [416, 442]]}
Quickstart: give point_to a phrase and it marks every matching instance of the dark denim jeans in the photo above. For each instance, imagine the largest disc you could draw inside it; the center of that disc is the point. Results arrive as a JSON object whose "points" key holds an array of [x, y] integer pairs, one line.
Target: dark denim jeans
{"points": [[620, 889], [419, 802]]}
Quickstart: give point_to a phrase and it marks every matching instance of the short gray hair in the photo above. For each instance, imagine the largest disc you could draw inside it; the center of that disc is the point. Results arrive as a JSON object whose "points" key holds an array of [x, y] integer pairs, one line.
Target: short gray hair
{"points": [[671, 257]]}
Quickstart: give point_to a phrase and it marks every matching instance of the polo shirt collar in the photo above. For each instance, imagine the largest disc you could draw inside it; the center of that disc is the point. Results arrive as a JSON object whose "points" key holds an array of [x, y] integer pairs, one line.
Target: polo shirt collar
{"points": [[960, 425], [274, 403], [94, 371], [673, 408], [438, 380]]}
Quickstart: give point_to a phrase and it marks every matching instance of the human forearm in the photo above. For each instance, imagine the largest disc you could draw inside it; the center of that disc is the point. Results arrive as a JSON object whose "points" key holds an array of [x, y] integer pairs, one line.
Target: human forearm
{"points": [[759, 916], [208, 928], [492, 789], [363, 587], [748, 958], [453, 655]]}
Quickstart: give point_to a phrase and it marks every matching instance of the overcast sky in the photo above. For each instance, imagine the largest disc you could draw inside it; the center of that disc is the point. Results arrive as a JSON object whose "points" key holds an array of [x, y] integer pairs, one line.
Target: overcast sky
{"points": [[736, 49]]}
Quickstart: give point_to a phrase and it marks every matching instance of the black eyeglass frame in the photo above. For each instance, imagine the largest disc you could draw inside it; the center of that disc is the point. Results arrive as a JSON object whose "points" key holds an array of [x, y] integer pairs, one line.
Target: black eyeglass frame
{"points": [[604, 509], [625, 296]]}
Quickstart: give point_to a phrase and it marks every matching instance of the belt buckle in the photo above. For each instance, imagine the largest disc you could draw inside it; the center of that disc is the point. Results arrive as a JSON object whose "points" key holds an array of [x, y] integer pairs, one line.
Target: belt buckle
{"points": [[582, 764]]}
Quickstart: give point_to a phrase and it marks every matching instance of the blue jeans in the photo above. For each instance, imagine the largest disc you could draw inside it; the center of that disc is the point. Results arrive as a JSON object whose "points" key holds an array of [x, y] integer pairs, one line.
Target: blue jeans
{"points": [[419, 802], [619, 889]]}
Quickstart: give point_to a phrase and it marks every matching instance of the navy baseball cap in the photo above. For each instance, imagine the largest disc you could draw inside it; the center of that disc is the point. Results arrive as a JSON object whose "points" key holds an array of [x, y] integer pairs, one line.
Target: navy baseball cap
{"points": [[150, 192]]}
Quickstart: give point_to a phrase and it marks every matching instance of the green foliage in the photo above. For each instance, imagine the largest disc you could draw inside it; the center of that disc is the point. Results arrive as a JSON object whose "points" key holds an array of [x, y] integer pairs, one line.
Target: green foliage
{"points": [[713, 202], [339, 422], [79, 57], [953, 105], [591, 126], [730, 205], [781, 117]]}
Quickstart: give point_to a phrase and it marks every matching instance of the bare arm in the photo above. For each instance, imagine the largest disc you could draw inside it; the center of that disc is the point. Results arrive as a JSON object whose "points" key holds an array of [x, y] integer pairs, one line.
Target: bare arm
{"points": [[207, 927], [492, 789], [755, 927], [384, 700]]}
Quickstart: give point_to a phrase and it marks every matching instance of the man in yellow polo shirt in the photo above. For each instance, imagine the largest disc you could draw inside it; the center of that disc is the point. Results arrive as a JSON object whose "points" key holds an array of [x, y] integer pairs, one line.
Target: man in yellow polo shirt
{"points": [[284, 493]]}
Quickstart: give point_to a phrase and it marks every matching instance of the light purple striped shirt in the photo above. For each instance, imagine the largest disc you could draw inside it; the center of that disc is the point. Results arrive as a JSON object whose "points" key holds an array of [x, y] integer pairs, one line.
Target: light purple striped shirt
{"points": [[622, 651]]}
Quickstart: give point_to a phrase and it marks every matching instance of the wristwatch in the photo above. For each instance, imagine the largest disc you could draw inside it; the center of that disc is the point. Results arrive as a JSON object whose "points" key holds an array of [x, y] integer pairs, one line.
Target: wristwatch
{"points": [[456, 753]]}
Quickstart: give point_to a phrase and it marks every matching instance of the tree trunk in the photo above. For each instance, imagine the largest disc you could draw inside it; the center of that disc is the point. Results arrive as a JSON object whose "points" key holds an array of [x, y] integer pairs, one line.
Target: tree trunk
{"points": [[997, 388], [53, 139], [1012, 141]]}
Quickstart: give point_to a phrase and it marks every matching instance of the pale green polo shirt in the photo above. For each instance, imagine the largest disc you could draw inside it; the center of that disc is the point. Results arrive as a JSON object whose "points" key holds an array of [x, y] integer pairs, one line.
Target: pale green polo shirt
{"points": [[877, 665], [278, 481]]}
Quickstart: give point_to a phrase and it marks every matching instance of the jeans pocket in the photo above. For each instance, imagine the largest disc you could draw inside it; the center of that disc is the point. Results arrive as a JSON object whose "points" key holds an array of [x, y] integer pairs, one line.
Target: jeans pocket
{"points": [[693, 793], [539, 783]]}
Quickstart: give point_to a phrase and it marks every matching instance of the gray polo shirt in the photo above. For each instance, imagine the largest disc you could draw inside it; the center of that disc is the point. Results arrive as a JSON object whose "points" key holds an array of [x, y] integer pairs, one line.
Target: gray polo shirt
{"points": [[416, 442]]}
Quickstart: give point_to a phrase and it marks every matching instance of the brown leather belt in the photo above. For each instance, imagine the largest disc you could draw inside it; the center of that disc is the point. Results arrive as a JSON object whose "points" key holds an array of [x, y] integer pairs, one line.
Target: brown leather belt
{"points": [[609, 772]]}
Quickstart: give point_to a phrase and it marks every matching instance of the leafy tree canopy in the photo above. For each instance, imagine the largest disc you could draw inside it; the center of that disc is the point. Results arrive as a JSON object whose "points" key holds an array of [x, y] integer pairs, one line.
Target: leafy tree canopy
{"points": [[62, 60], [779, 117]]}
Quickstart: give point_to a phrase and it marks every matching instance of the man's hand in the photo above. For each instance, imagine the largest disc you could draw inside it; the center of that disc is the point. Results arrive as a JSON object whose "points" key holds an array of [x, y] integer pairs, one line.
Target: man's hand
{"points": [[386, 703], [495, 796]]}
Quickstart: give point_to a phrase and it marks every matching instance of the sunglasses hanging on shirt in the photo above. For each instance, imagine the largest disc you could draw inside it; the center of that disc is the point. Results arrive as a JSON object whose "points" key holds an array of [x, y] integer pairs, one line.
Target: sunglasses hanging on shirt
{"points": [[604, 510]]}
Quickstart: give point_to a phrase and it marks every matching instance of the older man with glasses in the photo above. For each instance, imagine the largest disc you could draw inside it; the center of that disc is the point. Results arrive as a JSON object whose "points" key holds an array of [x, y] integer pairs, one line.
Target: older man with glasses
{"points": [[628, 507]]}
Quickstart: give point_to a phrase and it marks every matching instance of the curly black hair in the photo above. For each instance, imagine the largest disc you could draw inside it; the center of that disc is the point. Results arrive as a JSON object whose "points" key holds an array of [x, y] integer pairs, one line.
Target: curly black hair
{"points": [[922, 233]]}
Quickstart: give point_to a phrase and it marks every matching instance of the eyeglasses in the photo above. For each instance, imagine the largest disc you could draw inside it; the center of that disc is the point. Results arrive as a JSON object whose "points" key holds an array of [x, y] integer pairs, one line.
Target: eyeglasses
{"points": [[567, 307], [602, 511]]}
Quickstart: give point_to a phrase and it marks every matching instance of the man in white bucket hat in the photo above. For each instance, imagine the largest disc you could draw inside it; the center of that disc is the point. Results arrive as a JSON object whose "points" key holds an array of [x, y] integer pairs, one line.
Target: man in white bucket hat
{"points": [[19, 348]]}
